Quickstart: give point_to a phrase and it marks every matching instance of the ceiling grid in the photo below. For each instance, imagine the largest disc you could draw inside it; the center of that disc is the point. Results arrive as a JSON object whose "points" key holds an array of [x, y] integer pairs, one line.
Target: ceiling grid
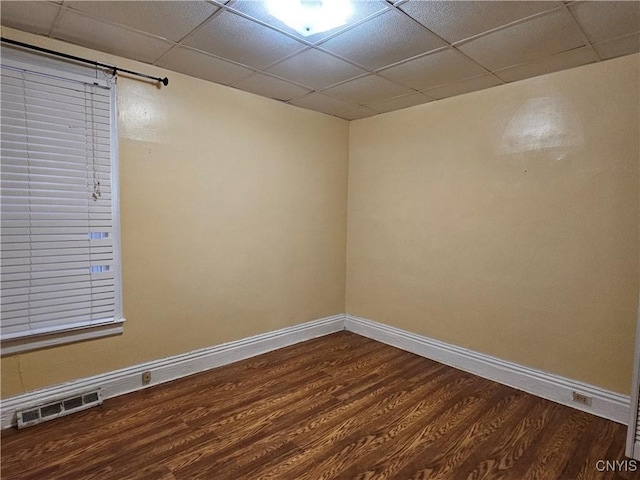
{"points": [[387, 57]]}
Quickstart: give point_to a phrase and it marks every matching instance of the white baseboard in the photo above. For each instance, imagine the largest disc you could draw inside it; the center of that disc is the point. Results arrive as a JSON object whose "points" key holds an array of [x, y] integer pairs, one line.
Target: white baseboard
{"points": [[607, 404], [129, 379]]}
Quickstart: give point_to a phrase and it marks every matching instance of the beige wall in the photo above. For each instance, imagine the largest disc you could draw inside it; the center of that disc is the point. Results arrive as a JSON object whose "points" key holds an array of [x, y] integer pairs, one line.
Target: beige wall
{"points": [[506, 221], [233, 222]]}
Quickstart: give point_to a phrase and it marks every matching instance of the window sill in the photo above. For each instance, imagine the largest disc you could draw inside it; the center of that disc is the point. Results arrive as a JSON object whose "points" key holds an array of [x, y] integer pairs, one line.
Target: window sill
{"points": [[25, 344]]}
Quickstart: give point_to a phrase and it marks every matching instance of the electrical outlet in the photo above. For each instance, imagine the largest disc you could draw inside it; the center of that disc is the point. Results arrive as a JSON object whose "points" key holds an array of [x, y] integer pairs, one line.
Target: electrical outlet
{"points": [[146, 378], [581, 398]]}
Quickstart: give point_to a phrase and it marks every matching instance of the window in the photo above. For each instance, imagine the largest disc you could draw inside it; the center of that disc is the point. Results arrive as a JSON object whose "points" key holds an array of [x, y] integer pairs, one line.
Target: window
{"points": [[60, 275]]}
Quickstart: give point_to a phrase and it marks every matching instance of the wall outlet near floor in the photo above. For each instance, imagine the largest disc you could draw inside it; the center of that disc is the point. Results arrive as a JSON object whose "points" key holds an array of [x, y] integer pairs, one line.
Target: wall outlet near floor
{"points": [[146, 378], [582, 398]]}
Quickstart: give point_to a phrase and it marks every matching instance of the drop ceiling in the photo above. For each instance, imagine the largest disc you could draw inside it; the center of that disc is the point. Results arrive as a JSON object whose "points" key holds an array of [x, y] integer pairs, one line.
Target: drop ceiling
{"points": [[389, 56]]}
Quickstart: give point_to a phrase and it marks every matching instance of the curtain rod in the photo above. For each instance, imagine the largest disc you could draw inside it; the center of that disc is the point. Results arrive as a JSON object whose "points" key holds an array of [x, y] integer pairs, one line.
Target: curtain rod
{"points": [[164, 81]]}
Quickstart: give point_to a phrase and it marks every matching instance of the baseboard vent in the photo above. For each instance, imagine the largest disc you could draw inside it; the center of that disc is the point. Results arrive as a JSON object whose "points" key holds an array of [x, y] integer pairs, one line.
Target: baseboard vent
{"points": [[59, 408]]}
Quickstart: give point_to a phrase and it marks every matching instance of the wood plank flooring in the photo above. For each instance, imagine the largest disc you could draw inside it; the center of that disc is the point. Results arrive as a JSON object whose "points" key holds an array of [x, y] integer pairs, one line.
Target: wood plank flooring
{"points": [[340, 406]]}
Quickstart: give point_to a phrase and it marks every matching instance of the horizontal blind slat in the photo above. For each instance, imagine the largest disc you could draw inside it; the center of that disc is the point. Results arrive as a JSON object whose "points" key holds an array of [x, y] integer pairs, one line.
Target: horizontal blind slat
{"points": [[55, 95], [57, 245], [42, 126], [31, 81]]}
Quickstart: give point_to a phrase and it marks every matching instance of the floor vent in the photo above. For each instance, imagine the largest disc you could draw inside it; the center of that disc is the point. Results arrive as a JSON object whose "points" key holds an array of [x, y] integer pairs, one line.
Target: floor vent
{"points": [[59, 408]]}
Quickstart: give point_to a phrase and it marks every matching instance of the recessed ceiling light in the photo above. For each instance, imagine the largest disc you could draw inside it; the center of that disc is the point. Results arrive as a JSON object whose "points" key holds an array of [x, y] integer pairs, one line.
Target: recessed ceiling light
{"points": [[311, 16]]}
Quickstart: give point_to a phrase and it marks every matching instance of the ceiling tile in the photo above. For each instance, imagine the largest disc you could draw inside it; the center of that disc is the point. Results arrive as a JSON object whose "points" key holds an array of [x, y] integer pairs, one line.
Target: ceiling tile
{"points": [[315, 69], [358, 113], [35, 17], [171, 20], [259, 11], [561, 61], [603, 21], [455, 21], [383, 40], [226, 42], [78, 28], [243, 41], [464, 86], [367, 90], [201, 65], [539, 37], [433, 69], [398, 103], [620, 46], [271, 87], [326, 104]]}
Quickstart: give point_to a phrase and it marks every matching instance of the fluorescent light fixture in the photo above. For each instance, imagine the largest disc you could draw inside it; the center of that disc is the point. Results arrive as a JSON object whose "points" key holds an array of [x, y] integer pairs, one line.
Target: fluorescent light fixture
{"points": [[308, 17]]}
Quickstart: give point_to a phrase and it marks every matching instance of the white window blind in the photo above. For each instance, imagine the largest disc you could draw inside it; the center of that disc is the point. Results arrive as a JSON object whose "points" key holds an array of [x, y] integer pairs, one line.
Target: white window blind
{"points": [[60, 267]]}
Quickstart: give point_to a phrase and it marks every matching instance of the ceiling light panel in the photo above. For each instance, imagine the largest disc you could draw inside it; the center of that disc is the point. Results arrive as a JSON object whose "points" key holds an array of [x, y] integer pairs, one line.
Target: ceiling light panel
{"points": [[260, 11], [311, 17]]}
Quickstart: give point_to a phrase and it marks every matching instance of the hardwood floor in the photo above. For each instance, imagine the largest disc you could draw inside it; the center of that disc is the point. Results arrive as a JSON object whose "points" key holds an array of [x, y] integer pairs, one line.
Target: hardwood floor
{"points": [[340, 406]]}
